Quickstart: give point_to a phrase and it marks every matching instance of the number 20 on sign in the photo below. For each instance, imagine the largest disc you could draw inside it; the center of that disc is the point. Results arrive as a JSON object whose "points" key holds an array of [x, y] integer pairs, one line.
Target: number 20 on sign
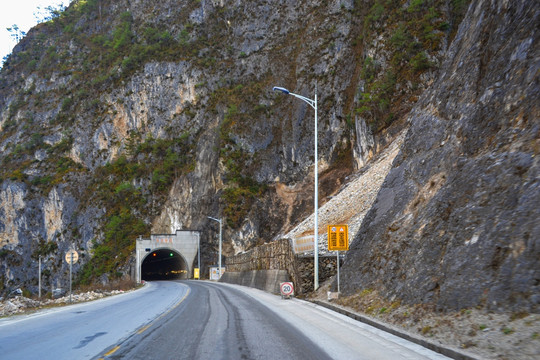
{"points": [[338, 238], [286, 289]]}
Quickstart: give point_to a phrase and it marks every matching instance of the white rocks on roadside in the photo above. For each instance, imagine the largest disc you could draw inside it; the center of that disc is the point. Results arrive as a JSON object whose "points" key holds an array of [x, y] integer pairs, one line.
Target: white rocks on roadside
{"points": [[20, 304]]}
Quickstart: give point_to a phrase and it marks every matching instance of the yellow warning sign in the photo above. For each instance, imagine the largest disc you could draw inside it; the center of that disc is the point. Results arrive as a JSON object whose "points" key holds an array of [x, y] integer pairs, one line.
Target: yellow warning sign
{"points": [[338, 237], [196, 273]]}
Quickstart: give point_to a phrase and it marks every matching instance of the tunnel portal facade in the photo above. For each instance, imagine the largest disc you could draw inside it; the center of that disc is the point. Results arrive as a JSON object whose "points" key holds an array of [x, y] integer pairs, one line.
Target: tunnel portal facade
{"points": [[166, 256]]}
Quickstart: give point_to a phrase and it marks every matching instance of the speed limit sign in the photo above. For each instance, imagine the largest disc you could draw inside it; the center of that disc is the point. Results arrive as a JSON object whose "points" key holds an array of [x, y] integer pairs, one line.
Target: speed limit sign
{"points": [[287, 289]]}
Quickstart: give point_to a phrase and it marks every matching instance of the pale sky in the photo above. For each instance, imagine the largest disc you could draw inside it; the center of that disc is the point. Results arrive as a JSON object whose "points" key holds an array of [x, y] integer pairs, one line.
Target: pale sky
{"points": [[24, 14]]}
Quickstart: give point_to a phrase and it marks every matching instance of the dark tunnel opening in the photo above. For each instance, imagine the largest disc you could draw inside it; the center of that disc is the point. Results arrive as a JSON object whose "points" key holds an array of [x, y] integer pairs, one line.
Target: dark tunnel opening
{"points": [[163, 264]]}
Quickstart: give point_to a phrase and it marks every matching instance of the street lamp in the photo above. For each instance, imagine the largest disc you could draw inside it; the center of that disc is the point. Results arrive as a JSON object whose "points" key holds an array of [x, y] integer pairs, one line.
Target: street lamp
{"points": [[219, 260], [199, 253], [313, 104]]}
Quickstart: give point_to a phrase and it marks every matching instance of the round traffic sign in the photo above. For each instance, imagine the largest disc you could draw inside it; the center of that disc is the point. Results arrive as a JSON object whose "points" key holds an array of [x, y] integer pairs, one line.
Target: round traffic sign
{"points": [[72, 256], [286, 288]]}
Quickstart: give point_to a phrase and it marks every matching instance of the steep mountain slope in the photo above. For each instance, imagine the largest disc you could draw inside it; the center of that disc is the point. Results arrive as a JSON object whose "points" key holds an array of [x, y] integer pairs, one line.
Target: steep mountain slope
{"points": [[456, 222], [120, 118]]}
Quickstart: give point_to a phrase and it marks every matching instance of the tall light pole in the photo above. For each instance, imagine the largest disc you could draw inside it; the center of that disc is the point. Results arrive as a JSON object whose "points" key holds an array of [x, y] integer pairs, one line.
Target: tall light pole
{"points": [[313, 104], [199, 253], [219, 260]]}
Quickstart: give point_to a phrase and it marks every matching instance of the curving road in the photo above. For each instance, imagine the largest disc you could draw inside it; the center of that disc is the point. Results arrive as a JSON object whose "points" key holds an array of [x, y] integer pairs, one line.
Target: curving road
{"points": [[199, 320], [82, 331], [217, 321]]}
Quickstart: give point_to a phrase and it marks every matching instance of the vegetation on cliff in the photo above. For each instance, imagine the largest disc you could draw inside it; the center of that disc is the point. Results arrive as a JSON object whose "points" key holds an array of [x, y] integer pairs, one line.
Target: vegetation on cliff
{"points": [[88, 106]]}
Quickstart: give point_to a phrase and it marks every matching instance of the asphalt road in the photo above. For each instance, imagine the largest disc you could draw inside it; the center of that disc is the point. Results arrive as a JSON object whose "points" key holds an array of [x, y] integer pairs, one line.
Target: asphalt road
{"points": [[81, 331], [199, 320], [222, 321]]}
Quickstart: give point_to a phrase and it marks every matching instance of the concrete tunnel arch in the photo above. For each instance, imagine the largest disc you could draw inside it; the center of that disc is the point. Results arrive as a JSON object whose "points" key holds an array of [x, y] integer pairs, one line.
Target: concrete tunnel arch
{"points": [[183, 245], [164, 264]]}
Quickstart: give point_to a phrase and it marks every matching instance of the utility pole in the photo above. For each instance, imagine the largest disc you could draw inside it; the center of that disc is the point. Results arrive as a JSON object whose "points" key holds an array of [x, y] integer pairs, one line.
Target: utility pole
{"points": [[70, 272]]}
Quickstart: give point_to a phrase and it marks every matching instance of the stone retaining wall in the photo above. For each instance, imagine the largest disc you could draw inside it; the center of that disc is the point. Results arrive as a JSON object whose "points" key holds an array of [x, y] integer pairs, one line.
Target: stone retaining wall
{"points": [[304, 266], [278, 255], [274, 255]]}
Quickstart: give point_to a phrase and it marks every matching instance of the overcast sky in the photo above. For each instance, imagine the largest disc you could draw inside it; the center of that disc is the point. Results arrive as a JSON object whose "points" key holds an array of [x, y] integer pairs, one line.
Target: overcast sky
{"points": [[24, 14]]}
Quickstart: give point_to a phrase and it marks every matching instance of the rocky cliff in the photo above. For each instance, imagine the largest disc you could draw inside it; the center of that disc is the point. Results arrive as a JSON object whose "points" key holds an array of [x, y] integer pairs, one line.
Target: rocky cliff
{"points": [[124, 117], [457, 222], [121, 118]]}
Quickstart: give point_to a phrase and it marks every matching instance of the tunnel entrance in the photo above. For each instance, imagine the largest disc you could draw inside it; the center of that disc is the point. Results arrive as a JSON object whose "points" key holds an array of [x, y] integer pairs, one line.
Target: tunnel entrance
{"points": [[164, 264]]}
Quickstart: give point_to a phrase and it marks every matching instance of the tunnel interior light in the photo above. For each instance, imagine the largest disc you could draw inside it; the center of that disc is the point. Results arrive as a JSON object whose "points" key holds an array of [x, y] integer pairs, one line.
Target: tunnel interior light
{"points": [[163, 264]]}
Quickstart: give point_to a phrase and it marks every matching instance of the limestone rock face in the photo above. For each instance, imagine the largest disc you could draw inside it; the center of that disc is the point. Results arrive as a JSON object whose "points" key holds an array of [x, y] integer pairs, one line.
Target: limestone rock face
{"points": [[456, 222], [82, 93], [11, 203], [122, 118], [34, 226]]}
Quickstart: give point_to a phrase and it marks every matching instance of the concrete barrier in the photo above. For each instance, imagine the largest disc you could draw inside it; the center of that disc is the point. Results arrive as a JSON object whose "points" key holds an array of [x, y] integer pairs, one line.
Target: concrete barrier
{"points": [[267, 280]]}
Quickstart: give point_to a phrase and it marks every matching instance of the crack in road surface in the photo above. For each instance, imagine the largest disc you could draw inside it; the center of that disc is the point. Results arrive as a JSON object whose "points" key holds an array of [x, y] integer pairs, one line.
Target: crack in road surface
{"points": [[88, 339]]}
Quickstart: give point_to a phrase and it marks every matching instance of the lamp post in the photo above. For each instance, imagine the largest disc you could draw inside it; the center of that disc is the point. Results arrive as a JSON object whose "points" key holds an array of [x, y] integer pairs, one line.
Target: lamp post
{"points": [[313, 104], [219, 260], [199, 253]]}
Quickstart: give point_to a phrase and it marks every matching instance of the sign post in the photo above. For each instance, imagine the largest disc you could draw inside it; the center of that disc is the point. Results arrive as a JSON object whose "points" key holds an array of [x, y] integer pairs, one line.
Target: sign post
{"points": [[338, 239], [71, 257]]}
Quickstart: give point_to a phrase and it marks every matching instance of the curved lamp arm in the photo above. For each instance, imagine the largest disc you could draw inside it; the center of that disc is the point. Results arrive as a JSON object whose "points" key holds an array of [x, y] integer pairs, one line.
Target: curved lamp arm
{"points": [[309, 101]]}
